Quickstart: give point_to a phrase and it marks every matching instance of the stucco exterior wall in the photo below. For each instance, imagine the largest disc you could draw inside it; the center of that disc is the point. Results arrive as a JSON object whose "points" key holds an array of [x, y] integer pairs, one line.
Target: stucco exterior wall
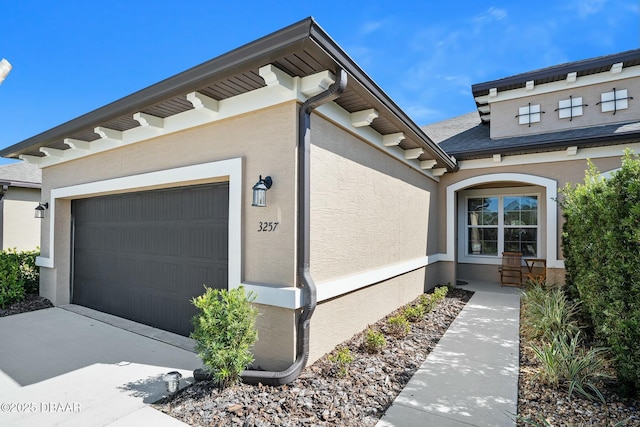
{"points": [[505, 124], [368, 211], [20, 229], [265, 140], [563, 172], [339, 319]]}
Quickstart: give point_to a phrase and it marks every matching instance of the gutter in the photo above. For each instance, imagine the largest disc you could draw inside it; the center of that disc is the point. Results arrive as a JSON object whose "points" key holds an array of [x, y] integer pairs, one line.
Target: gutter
{"points": [[304, 232], [554, 145]]}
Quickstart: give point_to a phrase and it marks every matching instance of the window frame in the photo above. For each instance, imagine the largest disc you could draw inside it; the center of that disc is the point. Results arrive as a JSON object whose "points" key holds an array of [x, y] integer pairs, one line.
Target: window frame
{"points": [[464, 254]]}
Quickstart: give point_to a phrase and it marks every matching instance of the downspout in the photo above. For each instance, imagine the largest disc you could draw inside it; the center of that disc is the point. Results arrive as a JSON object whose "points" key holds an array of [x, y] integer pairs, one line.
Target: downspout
{"points": [[304, 207]]}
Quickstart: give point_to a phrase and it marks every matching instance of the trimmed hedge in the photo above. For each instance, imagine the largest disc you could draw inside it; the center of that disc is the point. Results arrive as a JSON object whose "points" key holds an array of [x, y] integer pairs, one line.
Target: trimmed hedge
{"points": [[601, 243], [18, 275]]}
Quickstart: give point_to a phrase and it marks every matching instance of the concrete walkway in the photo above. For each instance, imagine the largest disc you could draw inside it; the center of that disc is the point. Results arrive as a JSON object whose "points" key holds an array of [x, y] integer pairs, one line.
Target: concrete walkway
{"points": [[471, 377], [60, 367]]}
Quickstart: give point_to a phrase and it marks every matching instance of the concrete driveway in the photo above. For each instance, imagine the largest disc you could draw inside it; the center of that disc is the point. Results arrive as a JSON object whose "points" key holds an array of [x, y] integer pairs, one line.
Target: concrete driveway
{"points": [[60, 367]]}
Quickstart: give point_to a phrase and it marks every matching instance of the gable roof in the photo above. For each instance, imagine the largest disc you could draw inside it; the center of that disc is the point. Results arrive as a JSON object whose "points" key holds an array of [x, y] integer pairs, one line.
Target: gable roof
{"points": [[21, 174], [466, 138], [301, 49], [585, 67]]}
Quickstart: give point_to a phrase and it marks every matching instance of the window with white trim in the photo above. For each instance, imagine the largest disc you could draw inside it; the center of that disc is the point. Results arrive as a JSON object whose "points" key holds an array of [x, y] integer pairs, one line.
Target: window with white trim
{"points": [[570, 108], [529, 114], [614, 101], [495, 224]]}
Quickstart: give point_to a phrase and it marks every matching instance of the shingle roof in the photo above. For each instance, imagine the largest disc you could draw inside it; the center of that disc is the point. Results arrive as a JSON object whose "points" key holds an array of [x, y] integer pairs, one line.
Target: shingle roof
{"points": [[584, 67], [465, 138], [559, 72], [21, 174]]}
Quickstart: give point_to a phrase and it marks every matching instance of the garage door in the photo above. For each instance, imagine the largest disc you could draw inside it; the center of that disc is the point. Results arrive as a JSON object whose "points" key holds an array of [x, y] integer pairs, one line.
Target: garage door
{"points": [[143, 256]]}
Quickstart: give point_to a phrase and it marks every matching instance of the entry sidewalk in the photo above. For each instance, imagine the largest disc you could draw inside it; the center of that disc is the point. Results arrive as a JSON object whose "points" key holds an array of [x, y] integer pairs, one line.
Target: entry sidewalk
{"points": [[471, 377]]}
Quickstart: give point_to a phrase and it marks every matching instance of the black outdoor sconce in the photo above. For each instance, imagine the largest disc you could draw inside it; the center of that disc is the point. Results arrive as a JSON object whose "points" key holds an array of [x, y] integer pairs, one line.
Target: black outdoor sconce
{"points": [[40, 210], [260, 191]]}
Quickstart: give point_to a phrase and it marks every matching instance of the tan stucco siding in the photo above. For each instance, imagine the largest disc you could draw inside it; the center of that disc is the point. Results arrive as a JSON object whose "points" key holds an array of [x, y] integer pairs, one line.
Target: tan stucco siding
{"points": [[264, 139], [570, 171], [339, 319], [563, 172], [367, 209], [275, 349], [504, 122], [20, 229]]}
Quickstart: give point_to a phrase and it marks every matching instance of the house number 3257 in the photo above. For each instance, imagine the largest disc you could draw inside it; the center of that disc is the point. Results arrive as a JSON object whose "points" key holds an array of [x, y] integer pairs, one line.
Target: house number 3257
{"points": [[267, 226]]}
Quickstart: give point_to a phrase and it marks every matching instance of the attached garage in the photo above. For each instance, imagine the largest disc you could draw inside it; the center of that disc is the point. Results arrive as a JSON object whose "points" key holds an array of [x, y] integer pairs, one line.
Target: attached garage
{"points": [[129, 231], [144, 255]]}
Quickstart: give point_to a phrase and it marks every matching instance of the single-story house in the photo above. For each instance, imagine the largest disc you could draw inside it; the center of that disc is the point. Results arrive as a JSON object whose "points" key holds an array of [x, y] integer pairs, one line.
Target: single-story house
{"points": [[19, 195], [160, 192]]}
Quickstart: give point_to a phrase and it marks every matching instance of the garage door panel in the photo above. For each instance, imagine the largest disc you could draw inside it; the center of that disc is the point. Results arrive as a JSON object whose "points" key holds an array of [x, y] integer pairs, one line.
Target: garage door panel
{"points": [[143, 256]]}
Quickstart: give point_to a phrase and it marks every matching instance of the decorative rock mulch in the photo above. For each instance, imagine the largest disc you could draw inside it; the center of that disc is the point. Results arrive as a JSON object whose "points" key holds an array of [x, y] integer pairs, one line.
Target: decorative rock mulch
{"points": [[30, 303], [541, 404], [318, 397]]}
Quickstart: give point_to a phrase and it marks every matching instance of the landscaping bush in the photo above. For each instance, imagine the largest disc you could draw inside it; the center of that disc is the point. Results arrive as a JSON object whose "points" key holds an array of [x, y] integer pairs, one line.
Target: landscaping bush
{"points": [[18, 276], [225, 331], [547, 312], [374, 341], [413, 313], [342, 358], [429, 301], [601, 243], [398, 326], [565, 363]]}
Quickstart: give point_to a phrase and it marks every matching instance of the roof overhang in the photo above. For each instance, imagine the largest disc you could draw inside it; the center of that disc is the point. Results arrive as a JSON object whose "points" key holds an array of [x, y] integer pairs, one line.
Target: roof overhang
{"points": [[487, 92], [302, 50], [616, 134]]}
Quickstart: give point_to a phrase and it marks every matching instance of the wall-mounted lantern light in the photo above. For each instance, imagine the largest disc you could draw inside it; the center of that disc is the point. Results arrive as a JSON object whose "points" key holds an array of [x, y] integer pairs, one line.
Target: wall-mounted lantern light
{"points": [[40, 210], [260, 191]]}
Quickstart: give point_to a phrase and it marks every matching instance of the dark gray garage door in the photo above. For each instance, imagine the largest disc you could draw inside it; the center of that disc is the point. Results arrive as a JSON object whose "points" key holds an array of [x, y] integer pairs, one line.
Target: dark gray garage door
{"points": [[143, 256]]}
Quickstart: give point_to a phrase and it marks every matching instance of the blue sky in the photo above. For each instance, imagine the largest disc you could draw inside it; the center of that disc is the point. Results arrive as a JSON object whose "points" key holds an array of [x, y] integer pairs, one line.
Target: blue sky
{"points": [[71, 57]]}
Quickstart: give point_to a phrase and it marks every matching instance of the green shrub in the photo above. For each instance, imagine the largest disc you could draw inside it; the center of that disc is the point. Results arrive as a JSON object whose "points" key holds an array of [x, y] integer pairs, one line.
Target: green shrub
{"points": [[398, 326], [374, 341], [413, 313], [547, 313], [440, 292], [342, 358], [601, 243], [566, 364], [29, 272], [18, 275], [225, 331], [429, 301]]}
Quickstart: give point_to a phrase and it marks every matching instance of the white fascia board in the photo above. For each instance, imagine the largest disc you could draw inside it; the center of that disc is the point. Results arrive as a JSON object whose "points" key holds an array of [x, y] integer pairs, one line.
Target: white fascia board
{"points": [[287, 297], [583, 81], [549, 157], [207, 110], [341, 117], [336, 287], [292, 298]]}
